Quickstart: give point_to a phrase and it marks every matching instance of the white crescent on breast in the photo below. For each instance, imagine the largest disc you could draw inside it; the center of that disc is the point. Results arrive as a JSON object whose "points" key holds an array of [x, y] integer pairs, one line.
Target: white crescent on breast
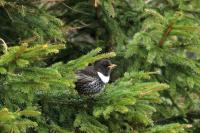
{"points": [[103, 78]]}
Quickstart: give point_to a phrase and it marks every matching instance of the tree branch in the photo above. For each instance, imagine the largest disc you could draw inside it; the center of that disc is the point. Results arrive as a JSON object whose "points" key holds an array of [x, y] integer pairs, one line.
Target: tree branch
{"points": [[166, 34], [190, 116]]}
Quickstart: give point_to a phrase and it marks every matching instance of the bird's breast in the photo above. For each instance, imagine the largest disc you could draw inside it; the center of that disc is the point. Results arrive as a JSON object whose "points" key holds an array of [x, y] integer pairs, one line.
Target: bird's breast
{"points": [[95, 86]]}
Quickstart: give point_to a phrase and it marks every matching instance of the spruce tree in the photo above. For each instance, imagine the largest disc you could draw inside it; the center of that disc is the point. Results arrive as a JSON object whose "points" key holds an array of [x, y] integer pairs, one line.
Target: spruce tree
{"points": [[155, 88]]}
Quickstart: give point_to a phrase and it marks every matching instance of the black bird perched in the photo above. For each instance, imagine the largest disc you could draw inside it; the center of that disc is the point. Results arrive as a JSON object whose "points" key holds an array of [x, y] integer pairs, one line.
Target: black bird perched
{"points": [[92, 79]]}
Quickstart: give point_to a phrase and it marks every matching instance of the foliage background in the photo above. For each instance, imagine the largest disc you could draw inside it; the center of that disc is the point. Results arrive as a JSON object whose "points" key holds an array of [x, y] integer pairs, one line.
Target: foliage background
{"points": [[155, 88]]}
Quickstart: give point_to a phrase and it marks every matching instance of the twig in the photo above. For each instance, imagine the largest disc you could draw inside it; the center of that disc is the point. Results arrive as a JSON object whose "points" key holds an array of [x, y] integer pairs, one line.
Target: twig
{"points": [[45, 1], [75, 9], [189, 116], [166, 34], [4, 46], [52, 0], [11, 130], [149, 92]]}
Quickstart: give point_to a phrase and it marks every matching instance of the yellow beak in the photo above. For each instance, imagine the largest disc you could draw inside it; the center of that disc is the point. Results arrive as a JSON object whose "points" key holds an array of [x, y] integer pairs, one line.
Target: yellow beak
{"points": [[112, 66]]}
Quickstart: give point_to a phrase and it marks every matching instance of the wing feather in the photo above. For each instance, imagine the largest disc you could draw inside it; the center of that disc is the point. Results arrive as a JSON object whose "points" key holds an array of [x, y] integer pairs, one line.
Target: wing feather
{"points": [[86, 76]]}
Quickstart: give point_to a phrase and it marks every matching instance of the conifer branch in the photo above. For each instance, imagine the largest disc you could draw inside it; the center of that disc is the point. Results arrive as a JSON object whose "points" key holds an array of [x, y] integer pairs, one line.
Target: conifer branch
{"points": [[189, 116], [4, 45], [74, 10], [150, 92], [11, 130], [51, 0], [128, 104], [166, 34]]}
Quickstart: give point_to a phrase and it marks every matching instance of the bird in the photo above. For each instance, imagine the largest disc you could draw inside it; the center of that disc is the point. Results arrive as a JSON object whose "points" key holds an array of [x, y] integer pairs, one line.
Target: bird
{"points": [[92, 79]]}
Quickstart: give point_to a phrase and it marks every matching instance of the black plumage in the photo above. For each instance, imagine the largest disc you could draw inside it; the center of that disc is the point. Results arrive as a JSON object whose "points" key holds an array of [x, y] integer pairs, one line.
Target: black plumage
{"points": [[90, 80]]}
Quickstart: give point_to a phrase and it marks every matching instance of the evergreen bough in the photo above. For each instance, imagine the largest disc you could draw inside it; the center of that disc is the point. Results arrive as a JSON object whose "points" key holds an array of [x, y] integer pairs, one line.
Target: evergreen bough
{"points": [[155, 87]]}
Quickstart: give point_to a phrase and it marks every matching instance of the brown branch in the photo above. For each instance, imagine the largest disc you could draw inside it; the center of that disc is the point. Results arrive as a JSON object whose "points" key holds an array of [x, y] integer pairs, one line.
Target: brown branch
{"points": [[11, 130], [166, 34], [95, 3]]}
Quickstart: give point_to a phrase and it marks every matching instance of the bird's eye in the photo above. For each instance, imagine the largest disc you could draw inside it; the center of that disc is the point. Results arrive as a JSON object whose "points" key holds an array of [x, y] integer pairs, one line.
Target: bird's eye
{"points": [[106, 65]]}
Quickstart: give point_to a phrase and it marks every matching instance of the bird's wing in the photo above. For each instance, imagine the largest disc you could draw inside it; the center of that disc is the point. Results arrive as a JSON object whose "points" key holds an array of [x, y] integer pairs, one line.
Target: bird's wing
{"points": [[87, 75]]}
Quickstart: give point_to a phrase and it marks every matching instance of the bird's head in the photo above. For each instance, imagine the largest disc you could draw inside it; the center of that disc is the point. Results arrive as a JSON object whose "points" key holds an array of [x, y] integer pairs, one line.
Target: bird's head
{"points": [[104, 68]]}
